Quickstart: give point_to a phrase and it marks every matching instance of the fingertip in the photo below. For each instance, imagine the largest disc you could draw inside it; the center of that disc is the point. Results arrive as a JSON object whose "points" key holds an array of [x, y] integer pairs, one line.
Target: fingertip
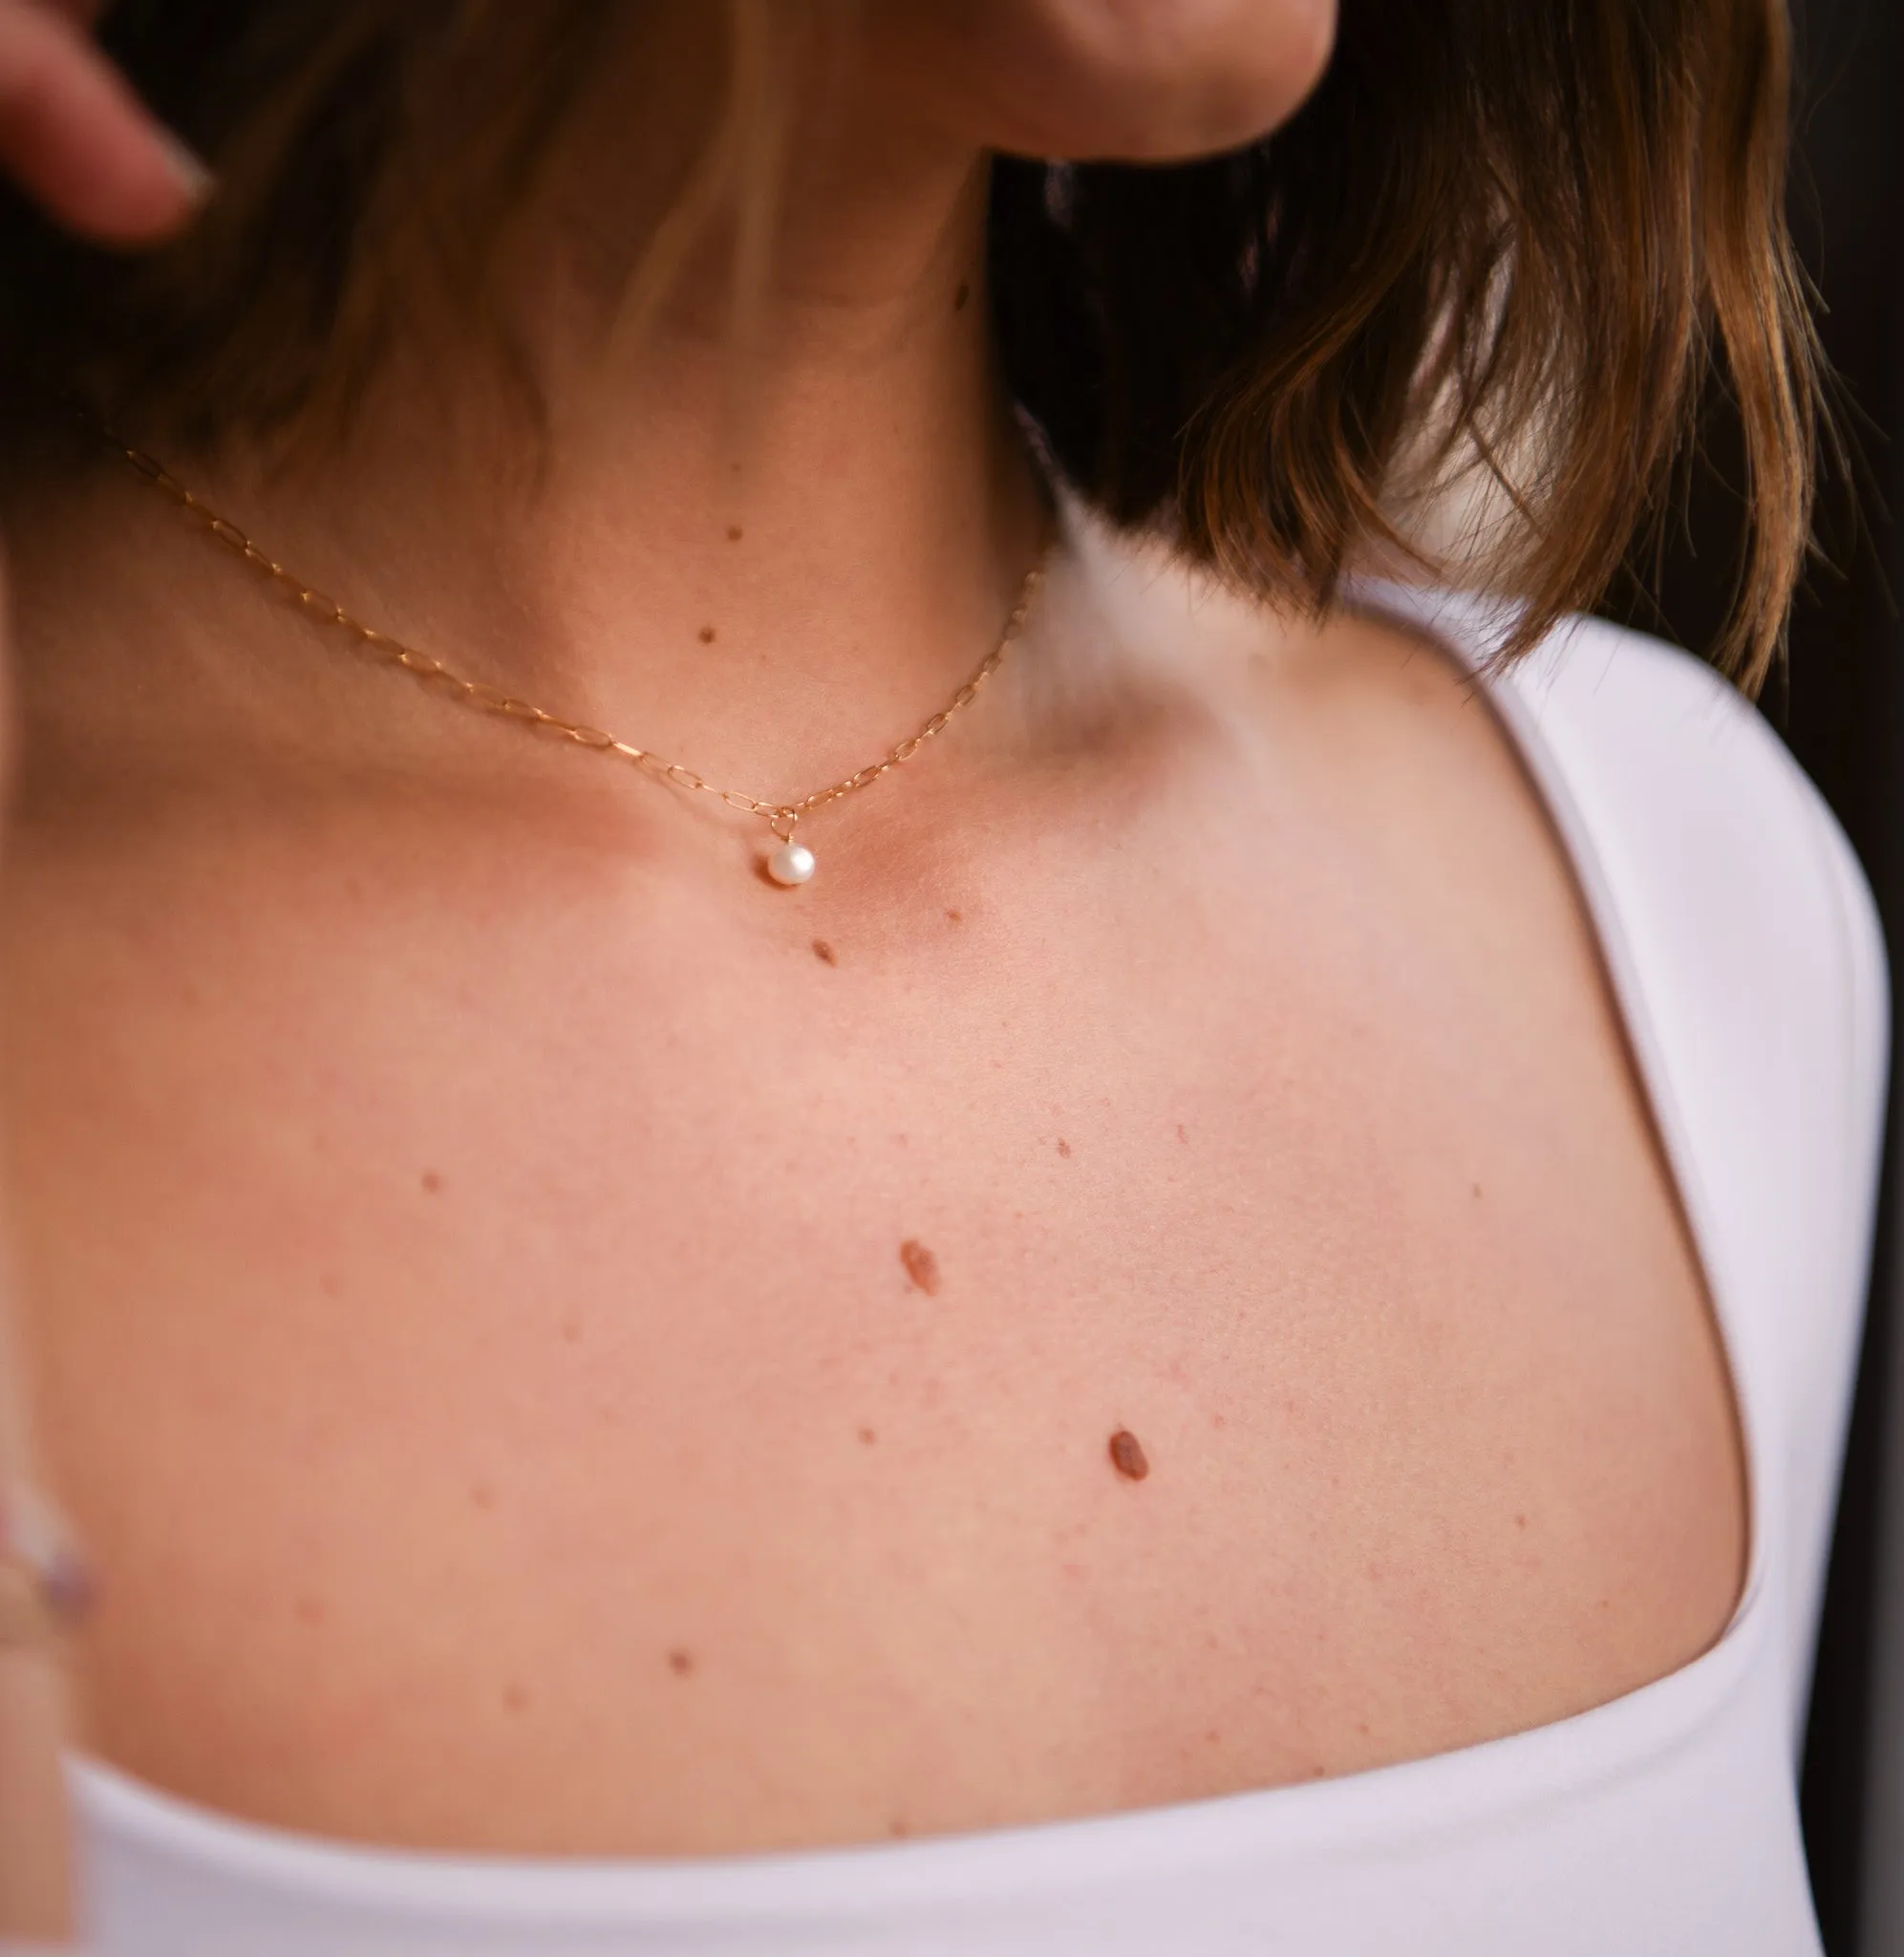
{"points": [[82, 145], [149, 199], [190, 171], [139, 190]]}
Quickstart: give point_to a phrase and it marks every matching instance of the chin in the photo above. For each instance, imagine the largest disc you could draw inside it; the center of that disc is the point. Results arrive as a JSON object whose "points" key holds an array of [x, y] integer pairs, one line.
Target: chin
{"points": [[1103, 80]]}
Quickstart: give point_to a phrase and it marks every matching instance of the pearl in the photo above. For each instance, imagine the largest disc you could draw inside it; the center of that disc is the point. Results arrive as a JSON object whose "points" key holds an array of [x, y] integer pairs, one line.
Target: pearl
{"points": [[792, 863]]}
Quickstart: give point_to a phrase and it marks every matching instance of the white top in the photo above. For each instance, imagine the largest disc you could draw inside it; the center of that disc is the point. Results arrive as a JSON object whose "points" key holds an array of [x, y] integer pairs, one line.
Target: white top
{"points": [[1746, 957]]}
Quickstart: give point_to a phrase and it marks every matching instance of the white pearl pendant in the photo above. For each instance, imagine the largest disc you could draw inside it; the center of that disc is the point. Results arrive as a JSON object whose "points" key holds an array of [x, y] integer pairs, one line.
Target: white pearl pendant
{"points": [[791, 864]]}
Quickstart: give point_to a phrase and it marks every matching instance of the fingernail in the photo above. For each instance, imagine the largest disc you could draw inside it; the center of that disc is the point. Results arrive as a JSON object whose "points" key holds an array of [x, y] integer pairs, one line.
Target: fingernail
{"points": [[190, 170]]}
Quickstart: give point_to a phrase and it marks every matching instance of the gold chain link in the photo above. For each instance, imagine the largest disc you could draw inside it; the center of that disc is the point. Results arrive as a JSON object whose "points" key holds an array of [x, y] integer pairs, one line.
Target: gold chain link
{"points": [[781, 816]]}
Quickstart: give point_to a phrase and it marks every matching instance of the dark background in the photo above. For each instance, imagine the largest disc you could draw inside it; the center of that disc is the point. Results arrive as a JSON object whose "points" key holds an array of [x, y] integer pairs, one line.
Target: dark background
{"points": [[1839, 702]]}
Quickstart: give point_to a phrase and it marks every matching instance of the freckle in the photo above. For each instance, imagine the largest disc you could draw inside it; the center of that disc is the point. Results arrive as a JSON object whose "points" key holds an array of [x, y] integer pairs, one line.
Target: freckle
{"points": [[1213, 1738], [900, 1141], [482, 1495], [432, 1182], [1182, 1134], [1063, 1147], [955, 916], [898, 1830], [1216, 1420], [1078, 1570], [515, 1697], [1318, 1772], [1477, 1189], [680, 1662], [960, 297], [571, 1329], [922, 1267], [823, 952], [1362, 1726], [327, 1282], [1520, 1521], [867, 1437], [1127, 1455], [734, 533], [707, 634], [309, 1610]]}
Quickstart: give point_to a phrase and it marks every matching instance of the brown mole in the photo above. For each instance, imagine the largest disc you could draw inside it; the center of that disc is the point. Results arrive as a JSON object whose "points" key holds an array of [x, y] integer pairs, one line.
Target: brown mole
{"points": [[823, 952], [432, 1182], [867, 1437], [734, 533], [1064, 1146], [707, 634], [680, 1662], [1127, 1455], [961, 296], [922, 1267]]}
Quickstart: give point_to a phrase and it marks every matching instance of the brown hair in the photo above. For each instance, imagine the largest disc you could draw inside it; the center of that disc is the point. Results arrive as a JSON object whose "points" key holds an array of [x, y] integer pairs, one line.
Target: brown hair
{"points": [[1504, 235]]}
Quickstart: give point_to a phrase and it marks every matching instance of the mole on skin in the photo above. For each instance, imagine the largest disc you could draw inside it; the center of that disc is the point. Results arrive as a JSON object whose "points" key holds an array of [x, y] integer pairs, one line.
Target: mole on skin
{"points": [[734, 533], [707, 634], [680, 1662], [1127, 1455], [823, 952], [433, 1182], [1064, 1146], [922, 1267], [960, 297]]}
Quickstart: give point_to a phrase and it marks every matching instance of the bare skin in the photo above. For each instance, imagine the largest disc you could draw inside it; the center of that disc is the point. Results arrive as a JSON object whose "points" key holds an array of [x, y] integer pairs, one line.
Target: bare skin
{"points": [[465, 1219], [75, 139]]}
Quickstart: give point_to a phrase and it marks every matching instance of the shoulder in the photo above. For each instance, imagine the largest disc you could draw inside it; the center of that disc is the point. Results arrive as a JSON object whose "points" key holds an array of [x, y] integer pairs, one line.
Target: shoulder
{"points": [[1708, 855], [1740, 934], [1730, 878]]}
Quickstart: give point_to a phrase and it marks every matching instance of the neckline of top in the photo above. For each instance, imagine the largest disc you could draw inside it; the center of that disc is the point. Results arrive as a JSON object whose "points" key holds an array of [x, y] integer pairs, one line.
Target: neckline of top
{"points": [[1582, 1749]]}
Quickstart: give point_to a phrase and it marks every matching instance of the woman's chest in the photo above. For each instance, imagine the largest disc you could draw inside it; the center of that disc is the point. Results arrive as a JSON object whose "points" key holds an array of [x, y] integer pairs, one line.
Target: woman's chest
{"points": [[536, 1386]]}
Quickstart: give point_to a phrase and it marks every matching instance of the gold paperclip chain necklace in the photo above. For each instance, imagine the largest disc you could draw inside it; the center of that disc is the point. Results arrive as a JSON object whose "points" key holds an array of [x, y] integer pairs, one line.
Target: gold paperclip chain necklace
{"points": [[791, 864]]}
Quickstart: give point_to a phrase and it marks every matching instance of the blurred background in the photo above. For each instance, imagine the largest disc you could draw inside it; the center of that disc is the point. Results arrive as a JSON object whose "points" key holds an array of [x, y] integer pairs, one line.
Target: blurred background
{"points": [[1839, 702]]}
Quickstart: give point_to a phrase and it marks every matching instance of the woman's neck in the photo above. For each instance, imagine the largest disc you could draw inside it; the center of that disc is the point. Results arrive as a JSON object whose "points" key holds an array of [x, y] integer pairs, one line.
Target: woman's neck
{"points": [[767, 541]]}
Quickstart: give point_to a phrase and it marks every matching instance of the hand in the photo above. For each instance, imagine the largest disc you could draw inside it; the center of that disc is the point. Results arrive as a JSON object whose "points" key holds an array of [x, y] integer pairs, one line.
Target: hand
{"points": [[76, 138], [76, 141], [37, 1889]]}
